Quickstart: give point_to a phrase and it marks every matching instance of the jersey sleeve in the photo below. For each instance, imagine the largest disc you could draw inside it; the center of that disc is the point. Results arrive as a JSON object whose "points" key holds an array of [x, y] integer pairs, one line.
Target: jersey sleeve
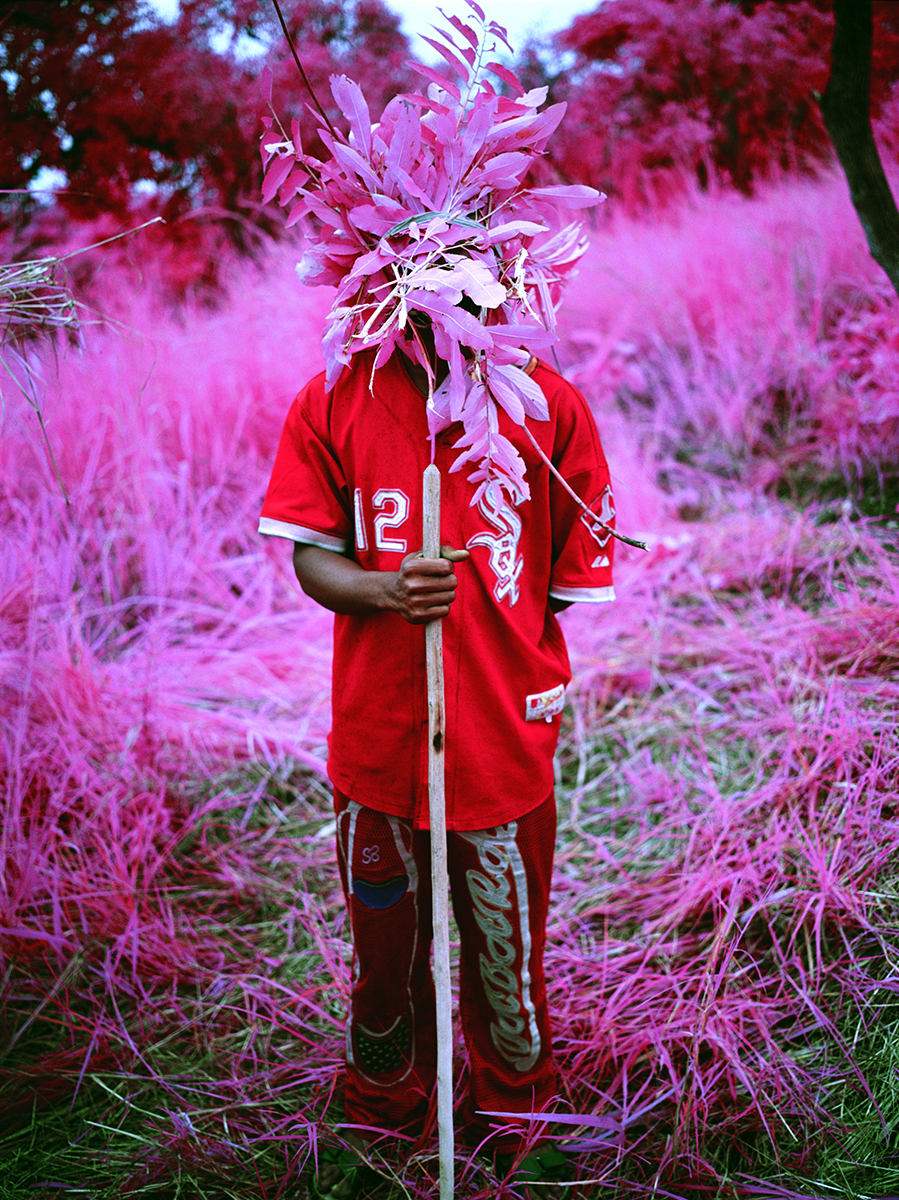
{"points": [[307, 496], [582, 547]]}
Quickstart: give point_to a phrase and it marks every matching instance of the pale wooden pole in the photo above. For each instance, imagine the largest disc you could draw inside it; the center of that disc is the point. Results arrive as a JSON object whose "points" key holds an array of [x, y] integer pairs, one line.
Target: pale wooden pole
{"points": [[439, 875]]}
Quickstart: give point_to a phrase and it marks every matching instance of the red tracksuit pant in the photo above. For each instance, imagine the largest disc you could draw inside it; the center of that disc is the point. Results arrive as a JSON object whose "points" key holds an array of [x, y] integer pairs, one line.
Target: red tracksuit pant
{"points": [[500, 881]]}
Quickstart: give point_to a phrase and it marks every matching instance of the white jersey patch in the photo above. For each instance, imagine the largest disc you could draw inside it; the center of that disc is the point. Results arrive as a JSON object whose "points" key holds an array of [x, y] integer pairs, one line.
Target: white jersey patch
{"points": [[505, 561], [545, 705]]}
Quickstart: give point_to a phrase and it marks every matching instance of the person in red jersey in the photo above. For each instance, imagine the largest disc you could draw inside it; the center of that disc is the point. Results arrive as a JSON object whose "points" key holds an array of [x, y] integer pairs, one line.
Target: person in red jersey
{"points": [[447, 264]]}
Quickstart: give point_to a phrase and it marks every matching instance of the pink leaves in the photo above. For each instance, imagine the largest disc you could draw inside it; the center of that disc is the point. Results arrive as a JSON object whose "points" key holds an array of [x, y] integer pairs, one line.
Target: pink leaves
{"points": [[514, 229], [529, 393], [507, 77], [278, 170], [576, 195], [429, 209], [400, 134], [351, 102], [496, 460], [507, 397], [453, 279], [467, 33], [456, 64], [476, 281], [504, 170], [354, 162], [439, 79], [456, 323], [532, 129]]}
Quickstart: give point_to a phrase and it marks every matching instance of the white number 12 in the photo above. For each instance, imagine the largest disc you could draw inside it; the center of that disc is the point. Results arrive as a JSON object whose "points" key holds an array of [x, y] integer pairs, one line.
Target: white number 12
{"points": [[398, 502]]}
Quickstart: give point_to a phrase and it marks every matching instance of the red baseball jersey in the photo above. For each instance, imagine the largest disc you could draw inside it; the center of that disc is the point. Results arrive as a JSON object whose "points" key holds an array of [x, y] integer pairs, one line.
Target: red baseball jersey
{"points": [[348, 477]]}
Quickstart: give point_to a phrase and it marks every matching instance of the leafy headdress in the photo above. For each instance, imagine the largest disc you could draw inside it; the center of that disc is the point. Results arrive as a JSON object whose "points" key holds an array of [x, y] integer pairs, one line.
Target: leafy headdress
{"points": [[425, 218]]}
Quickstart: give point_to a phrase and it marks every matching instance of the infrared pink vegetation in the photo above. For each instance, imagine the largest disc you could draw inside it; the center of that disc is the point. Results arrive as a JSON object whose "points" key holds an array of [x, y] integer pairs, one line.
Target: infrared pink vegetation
{"points": [[722, 952]]}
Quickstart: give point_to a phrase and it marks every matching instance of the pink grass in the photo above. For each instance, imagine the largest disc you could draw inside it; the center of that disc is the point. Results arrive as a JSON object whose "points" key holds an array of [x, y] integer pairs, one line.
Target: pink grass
{"points": [[722, 937]]}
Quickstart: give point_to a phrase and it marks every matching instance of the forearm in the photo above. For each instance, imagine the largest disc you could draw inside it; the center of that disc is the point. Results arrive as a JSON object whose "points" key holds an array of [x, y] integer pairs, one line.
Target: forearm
{"points": [[421, 590], [341, 585]]}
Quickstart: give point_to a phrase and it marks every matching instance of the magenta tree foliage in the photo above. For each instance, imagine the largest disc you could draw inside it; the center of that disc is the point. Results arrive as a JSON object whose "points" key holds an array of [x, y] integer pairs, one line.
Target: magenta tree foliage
{"points": [[702, 88], [114, 97]]}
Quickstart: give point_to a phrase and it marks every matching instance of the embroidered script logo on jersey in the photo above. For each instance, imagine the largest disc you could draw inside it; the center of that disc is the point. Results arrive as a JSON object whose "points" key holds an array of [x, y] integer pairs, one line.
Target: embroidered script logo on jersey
{"points": [[505, 562], [600, 535]]}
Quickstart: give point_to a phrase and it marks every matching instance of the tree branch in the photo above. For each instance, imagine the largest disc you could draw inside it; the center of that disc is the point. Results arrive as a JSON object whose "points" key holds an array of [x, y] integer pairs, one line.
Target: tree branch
{"points": [[845, 107]]}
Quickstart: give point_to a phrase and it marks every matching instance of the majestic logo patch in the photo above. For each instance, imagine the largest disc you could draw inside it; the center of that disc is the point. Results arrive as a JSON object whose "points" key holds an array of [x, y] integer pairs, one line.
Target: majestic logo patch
{"points": [[505, 561], [545, 705]]}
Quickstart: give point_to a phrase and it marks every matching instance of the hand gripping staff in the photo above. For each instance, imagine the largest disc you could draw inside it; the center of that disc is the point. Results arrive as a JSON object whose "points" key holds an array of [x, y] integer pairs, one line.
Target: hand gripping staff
{"points": [[437, 821]]}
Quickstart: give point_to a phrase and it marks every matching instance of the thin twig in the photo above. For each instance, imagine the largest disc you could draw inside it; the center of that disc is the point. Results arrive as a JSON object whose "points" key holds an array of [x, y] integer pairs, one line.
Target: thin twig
{"points": [[113, 238], [296, 59], [576, 498]]}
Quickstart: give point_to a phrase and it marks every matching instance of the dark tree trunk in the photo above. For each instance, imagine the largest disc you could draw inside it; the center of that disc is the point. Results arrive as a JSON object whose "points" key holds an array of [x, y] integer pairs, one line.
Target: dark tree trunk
{"points": [[845, 107]]}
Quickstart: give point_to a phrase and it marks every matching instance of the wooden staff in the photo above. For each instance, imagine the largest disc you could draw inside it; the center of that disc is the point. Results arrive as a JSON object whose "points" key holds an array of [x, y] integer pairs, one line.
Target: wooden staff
{"points": [[439, 876]]}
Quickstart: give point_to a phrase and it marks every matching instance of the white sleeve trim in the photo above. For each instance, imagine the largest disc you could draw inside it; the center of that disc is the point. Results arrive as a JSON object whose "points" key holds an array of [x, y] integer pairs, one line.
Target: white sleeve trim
{"points": [[299, 533], [584, 594]]}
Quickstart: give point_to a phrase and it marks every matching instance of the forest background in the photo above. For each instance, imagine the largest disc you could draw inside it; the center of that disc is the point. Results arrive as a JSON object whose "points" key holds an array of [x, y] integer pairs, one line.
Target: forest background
{"points": [[724, 930]]}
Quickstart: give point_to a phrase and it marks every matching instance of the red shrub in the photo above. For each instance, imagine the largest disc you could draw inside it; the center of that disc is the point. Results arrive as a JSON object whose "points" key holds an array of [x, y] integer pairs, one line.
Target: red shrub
{"points": [[702, 88]]}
